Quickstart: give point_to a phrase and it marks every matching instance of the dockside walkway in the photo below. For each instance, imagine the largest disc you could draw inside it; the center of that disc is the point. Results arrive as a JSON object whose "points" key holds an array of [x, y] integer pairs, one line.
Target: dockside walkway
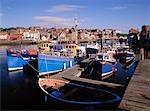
{"points": [[137, 94]]}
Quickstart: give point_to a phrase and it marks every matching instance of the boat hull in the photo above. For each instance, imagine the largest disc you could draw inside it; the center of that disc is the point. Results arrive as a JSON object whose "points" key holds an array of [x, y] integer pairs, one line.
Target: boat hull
{"points": [[126, 64], [107, 71], [15, 63], [50, 64], [99, 71], [17, 59], [70, 94]]}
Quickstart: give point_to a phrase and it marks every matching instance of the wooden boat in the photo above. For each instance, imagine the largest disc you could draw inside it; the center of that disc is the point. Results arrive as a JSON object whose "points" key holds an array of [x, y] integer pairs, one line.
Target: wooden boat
{"points": [[65, 92], [126, 59], [105, 58], [56, 57], [97, 70], [17, 58], [48, 64]]}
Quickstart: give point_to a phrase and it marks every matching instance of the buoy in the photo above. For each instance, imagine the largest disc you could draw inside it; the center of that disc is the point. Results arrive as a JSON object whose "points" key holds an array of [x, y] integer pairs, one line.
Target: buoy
{"points": [[114, 69]]}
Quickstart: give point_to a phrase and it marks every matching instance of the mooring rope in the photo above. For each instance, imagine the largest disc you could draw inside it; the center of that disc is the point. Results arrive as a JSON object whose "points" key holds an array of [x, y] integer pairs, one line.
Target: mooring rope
{"points": [[30, 65]]}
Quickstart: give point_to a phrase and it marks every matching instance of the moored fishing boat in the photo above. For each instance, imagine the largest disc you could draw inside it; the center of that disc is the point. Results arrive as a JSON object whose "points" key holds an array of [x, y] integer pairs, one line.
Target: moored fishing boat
{"points": [[65, 92], [51, 64], [98, 71], [17, 58], [13, 60], [125, 58], [55, 57], [106, 58]]}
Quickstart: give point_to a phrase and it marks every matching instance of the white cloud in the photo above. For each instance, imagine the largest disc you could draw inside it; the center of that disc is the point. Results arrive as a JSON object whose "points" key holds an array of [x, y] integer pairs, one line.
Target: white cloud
{"points": [[123, 7], [54, 21], [117, 8], [65, 8]]}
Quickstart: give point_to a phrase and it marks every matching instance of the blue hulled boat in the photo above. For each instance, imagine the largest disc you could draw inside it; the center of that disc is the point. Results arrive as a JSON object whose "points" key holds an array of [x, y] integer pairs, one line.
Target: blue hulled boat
{"points": [[107, 70], [77, 95], [97, 70], [17, 58], [52, 64]]}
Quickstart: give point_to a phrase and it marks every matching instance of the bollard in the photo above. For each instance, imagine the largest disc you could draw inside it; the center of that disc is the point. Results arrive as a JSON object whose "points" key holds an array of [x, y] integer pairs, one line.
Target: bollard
{"points": [[142, 53]]}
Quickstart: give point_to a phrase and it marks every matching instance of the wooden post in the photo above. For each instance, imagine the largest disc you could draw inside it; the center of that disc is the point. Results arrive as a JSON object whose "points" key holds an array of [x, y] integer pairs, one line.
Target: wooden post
{"points": [[142, 53]]}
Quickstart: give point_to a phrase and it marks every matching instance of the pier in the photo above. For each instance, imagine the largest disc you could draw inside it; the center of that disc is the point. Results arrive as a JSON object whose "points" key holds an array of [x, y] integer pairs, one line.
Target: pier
{"points": [[137, 94]]}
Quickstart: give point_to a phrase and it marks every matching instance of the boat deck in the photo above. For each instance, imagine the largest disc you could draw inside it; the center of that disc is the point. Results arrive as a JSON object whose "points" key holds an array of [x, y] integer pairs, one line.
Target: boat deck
{"points": [[137, 94], [73, 71]]}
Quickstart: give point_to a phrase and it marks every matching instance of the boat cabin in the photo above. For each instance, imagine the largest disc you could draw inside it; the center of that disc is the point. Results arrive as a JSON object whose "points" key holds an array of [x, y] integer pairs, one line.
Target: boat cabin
{"points": [[64, 49], [105, 57]]}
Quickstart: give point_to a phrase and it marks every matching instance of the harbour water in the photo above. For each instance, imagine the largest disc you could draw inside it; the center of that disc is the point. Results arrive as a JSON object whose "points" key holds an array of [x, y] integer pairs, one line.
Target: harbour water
{"points": [[19, 92]]}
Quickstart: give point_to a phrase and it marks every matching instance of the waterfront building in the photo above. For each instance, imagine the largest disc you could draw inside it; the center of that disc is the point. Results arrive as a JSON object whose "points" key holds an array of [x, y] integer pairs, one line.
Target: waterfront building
{"points": [[31, 36], [3, 36], [17, 37], [10, 36], [108, 33]]}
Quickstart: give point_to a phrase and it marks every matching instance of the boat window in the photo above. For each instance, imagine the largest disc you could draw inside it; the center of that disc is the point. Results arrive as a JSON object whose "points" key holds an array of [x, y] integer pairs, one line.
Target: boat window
{"points": [[69, 46], [66, 46], [46, 45]]}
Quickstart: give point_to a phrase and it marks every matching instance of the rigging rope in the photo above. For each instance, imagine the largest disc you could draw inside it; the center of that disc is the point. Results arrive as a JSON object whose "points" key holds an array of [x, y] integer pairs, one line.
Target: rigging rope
{"points": [[46, 63]]}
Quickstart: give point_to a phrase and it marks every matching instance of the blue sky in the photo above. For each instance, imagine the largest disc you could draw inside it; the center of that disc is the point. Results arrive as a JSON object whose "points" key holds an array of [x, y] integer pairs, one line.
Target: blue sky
{"points": [[117, 14]]}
